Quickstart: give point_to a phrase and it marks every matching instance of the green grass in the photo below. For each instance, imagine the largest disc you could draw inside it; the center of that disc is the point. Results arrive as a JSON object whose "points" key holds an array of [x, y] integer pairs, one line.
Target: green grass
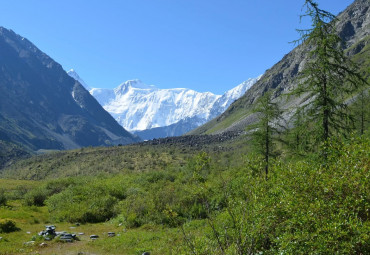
{"points": [[10, 185], [237, 116], [97, 161], [215, 126], [151, 195], [31, 220], [155, 239], [304, 207]]}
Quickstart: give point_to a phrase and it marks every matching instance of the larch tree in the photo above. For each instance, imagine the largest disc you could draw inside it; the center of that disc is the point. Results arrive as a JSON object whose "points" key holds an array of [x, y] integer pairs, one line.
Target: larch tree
{"points": [[328, 77], [264, 132]]}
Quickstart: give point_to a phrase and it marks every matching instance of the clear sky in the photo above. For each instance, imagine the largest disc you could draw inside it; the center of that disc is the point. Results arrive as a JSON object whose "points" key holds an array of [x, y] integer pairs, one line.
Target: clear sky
{"points": [[206, 45]]}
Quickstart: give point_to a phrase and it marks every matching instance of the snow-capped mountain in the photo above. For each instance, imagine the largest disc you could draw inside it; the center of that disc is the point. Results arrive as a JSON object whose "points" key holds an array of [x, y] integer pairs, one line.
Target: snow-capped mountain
{"points": [[141, 108], [231, 95], [75, 76]]}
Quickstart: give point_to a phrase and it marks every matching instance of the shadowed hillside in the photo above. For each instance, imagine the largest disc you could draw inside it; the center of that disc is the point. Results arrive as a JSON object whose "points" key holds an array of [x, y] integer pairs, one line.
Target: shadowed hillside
{"points": [[41, 107]]}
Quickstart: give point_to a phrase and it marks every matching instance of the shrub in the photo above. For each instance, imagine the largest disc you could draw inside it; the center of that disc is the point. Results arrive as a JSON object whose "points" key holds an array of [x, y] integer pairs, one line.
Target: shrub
{"points": [[8, 226], [89, 203], [3, 198], [137, 209], [305, 207], [35, 197], [39, 195]]}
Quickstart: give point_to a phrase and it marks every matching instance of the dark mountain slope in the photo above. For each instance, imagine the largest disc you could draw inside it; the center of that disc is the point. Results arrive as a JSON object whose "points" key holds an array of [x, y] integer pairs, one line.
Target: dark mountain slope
{"points": [[353, 27], [41, 107]]}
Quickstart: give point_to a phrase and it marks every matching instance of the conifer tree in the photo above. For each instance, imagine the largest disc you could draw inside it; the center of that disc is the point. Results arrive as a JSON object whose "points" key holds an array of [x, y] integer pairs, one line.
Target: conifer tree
{"points": [[264, 132], [328, 77]]}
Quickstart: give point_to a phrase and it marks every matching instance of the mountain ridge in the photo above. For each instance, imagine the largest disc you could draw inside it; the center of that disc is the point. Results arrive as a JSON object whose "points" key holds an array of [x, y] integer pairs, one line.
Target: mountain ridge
{"points": [[151, 112], [41, 107], [353, 27]]}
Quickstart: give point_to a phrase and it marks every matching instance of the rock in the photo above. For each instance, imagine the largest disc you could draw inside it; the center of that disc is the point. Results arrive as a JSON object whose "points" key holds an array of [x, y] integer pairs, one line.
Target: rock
{"points": [[81, 234], [30, 243], [49, 232], [43, 244], [67, 238], [146, 253], [94, 237], [111, 234], [197, 141]]}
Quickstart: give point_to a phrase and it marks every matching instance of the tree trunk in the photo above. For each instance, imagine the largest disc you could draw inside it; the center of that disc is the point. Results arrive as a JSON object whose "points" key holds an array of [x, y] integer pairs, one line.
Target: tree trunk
{"points": [[362, 113], [325, 122], [267, 152]]}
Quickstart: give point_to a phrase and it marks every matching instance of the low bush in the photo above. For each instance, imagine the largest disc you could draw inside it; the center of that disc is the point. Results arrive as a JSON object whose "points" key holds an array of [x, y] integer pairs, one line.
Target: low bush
{"points": [[39, 195], [36, 197], [3, 198], [89, 203], [8, 226], [305, 207]]}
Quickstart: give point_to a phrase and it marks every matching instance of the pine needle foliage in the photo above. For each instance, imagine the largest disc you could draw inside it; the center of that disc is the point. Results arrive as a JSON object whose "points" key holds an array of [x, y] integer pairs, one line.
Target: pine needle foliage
{"points": [[328, 78]]}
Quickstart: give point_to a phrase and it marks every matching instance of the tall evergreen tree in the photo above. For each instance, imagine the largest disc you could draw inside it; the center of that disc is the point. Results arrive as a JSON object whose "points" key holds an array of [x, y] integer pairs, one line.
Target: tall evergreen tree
{"points": [[264, 132], [328, 77]]}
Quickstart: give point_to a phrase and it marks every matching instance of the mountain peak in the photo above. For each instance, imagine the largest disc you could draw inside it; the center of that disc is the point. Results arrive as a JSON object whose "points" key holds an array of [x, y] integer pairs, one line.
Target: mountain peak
{"points": [[137, 106], [132, 84], [42, 108], [75, 76], [136, 83]]}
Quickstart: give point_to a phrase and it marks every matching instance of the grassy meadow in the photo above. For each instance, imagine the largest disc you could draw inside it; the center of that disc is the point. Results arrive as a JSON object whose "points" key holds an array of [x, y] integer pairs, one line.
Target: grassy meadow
{"points": [[176, 200]]}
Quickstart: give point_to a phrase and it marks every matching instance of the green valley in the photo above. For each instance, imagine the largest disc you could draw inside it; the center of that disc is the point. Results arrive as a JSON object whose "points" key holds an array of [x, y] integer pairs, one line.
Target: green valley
{"points": [[280, 172], [203, 204]]}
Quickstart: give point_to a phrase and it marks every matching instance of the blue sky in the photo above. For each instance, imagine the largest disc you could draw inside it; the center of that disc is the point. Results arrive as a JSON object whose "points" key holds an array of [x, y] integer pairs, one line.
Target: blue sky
{"points": [[206, 45]]}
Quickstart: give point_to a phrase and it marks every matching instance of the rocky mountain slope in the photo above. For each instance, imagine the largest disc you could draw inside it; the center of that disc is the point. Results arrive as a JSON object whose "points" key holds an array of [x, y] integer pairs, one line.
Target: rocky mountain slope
{"points": [[353, 27], [151, 112], [41, 107]]}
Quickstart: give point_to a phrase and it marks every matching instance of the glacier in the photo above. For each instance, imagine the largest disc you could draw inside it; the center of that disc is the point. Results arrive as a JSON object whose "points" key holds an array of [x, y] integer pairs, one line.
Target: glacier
{"points": [[139, 107]]}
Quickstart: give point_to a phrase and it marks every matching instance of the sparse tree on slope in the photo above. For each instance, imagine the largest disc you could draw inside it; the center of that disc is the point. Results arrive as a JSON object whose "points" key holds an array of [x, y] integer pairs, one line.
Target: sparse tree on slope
{"points": [[328, 77], [265, 130]]}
